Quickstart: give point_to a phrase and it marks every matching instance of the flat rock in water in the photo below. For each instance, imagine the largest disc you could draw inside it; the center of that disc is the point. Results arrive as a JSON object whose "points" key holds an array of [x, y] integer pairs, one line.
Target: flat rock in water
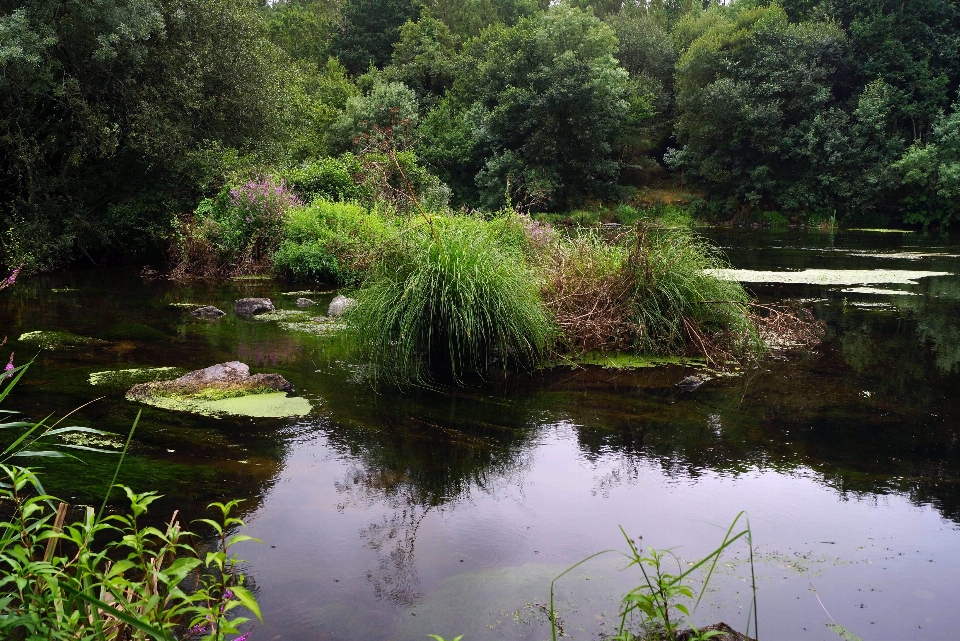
{"points": [[252, 306], [208, 311], [222, 380], [691, 383], [340, 304], [304, 302], [726, 633]]}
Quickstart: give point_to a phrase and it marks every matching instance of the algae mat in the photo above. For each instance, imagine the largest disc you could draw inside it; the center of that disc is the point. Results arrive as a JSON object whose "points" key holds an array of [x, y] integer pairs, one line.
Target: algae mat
{"points": [[826, 276], [268, 405]]}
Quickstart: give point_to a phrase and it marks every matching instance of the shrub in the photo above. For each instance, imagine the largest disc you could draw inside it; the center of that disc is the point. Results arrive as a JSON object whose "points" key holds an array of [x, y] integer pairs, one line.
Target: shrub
{"points": [[332, 242], [451, 297], [234, 233], [646, 291], [327, 178]]}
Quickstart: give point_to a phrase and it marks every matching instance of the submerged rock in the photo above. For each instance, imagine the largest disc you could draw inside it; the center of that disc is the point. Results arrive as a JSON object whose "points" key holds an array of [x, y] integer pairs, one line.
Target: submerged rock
{"points": [[340, 304], [253, 306], [225, 388], [723, 633], [208, 311], [305, 302], [691, 383], [56, 340]]}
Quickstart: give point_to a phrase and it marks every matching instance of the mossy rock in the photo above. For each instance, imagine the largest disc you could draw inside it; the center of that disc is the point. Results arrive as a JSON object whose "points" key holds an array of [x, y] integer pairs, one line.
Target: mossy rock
{"points": [[124, 378], [226, 388], [317, 328], [57, 339]]}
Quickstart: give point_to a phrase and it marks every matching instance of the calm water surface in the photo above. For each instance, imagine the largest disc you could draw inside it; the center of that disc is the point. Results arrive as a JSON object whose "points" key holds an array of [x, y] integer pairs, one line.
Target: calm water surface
{"points": [[391, 516]]}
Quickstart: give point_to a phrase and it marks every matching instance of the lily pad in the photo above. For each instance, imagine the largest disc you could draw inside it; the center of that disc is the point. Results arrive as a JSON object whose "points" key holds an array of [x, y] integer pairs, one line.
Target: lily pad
{"points": [[124, 378], [267, 405], [56, 340]]}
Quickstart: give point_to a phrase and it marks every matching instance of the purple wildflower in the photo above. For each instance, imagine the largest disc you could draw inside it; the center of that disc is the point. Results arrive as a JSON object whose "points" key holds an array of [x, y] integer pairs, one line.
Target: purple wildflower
{"points": [[245, 636], [11, 279], [198, 629], [9, 367]]}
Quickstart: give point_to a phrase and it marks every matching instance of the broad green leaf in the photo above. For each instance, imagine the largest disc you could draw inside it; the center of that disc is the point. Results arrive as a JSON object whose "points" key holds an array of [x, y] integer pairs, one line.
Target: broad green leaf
{"points": [[247, 599]]}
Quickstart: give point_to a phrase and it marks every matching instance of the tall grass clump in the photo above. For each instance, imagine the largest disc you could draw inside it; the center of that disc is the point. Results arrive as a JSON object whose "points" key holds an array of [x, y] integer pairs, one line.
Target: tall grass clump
{"points": [[331, 241], [451, 297], [649, 291], [677, 304]]}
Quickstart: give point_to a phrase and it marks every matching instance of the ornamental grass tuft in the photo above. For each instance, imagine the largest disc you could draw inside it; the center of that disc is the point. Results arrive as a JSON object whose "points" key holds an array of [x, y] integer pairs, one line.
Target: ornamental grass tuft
{"points": [[451, 298]]}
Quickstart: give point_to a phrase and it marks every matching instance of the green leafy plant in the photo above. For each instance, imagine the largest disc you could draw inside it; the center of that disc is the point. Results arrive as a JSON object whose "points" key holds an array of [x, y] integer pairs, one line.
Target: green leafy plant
{"points": [[657, 605], [59, 582]]}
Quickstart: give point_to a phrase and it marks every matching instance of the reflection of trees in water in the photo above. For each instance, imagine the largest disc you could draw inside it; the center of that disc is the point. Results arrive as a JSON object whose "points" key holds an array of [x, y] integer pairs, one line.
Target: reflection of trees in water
{"points": [[420, 455]]}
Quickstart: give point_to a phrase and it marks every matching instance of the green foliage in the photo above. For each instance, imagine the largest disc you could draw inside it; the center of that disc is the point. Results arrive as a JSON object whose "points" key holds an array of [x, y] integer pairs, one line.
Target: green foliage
{"points": [[424, 59], [59, 581], [930, 172], [327, 178], [548, 99], [449, 298], [367, 30], [677, 305], [332, 242], [111, 115], [388, 113]]}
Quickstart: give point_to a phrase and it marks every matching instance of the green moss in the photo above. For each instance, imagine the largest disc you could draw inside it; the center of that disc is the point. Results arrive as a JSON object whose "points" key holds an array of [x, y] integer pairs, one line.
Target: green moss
{"points": [[312, 327], [308, 292], [253, 277], [187, 305], [626, 360], [265, 405], [57, 340], [282, 315], [125, 378]]}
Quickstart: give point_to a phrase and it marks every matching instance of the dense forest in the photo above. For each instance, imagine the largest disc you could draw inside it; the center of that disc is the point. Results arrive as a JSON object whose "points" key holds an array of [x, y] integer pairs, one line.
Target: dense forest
{"points": [[118, 117]]}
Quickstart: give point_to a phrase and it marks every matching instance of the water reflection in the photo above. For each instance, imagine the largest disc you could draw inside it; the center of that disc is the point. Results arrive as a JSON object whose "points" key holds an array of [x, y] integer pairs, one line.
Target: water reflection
{"points": [[460, 505]]}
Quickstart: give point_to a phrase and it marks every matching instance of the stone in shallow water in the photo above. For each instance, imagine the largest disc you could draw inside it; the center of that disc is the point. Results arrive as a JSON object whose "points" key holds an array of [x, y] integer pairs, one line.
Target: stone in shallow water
{"points": [[56, 340], [218, 389], [208, 311], [252, 306], [305, 302], [340, 304]]}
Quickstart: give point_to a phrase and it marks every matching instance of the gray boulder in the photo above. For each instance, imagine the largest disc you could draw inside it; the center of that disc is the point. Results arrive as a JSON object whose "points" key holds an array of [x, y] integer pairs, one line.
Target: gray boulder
{"points": [[253, 306], [304, 302], [340, 304], [208, 311], [233, 377]]}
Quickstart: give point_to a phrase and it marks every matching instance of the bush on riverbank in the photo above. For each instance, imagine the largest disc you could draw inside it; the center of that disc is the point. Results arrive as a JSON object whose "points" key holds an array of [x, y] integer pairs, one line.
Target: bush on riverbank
{"points": [[331, 242]]}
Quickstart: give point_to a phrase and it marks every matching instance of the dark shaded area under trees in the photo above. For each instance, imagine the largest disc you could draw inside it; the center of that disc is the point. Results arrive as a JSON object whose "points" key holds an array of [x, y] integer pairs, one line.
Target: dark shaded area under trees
{"points": [[117, 118]]}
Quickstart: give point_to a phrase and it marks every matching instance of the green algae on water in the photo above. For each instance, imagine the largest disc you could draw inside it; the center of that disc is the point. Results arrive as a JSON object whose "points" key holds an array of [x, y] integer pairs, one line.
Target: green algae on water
{"points": [[124, 378], [826, 276], [282, 315], [628, 361], [317, 328], [57, 339], [264, 405]]}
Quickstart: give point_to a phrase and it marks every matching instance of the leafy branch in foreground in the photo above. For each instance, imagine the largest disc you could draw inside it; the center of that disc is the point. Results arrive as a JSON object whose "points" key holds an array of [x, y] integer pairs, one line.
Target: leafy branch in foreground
{"points": [[58, 582]]}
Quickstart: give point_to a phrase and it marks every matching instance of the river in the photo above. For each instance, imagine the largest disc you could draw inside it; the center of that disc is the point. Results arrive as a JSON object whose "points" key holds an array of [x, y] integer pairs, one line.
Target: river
{"points": [[392, 515]]}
